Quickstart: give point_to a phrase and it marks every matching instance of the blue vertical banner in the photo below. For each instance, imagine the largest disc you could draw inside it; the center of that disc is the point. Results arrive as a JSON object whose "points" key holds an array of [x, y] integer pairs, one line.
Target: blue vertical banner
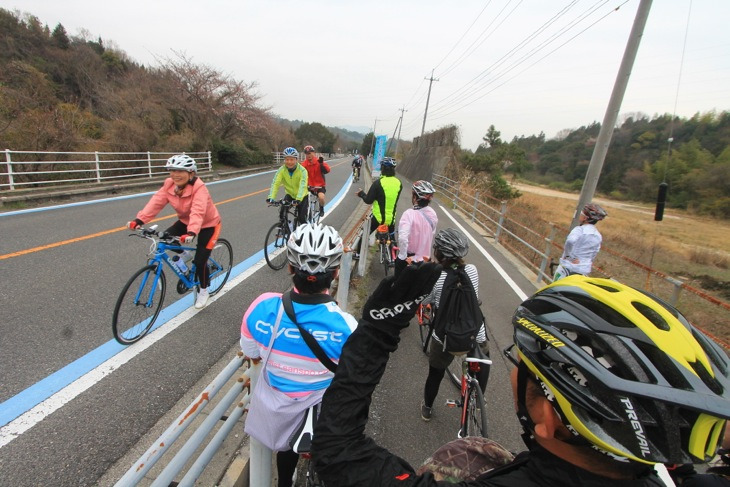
{"points": [[379, 152]]}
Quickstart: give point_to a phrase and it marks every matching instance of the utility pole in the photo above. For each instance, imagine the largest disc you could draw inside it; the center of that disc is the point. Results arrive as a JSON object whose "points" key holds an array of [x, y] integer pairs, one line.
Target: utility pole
{"points": [[431, 80], [397, 144], [394, 131], [614, 105], [372, 142]]}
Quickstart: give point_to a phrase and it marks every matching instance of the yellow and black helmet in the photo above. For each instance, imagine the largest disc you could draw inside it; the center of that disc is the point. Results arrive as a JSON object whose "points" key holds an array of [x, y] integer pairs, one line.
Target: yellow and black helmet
{"points": [[628, 374]]}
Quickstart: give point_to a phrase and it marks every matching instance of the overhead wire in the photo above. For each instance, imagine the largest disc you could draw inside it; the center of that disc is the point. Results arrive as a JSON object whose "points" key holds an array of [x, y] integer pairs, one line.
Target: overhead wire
{"points": [[468, 52], [514, 66], [463, 35], [473, 86]]}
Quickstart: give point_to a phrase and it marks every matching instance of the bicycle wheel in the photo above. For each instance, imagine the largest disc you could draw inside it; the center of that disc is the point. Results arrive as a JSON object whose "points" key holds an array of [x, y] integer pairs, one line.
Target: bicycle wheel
{"points": [[453, 372], [385, 257], [138, 305], [476, 417], [220, 263], [275, 246]]}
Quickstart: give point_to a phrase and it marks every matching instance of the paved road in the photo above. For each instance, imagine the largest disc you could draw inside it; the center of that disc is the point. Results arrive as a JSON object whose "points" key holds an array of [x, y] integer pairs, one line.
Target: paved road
{"points": [[60, 310], [56, 303]]}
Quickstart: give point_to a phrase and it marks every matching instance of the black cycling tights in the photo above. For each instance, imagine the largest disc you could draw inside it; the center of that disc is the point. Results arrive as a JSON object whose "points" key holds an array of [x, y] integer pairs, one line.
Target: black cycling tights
{"points": [[433, 381], [286, 464]]}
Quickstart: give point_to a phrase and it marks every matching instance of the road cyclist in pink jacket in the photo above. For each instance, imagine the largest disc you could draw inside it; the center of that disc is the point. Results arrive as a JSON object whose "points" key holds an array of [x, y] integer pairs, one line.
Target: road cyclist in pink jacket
{"points": [[196, 213], [416, 227]]}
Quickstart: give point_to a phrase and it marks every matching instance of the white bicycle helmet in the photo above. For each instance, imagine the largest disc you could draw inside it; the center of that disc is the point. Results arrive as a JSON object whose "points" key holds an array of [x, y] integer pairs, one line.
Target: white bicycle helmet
{"points": [[181, 162], [423, 190], [291, 152], [314, 248]]}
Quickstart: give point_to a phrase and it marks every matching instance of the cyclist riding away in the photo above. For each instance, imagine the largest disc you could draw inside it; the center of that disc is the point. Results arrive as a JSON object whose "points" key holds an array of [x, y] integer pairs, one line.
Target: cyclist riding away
{"points": [[582, 244], [316, 168], [292, 378], [196, 213], [294, 178], [416, 227], [450, 246], [383, 195], [609, 381]]}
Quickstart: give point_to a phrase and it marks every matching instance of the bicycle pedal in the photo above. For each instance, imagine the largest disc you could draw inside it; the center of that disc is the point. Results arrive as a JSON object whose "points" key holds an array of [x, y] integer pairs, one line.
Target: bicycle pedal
{"points": [[450, 403], [181, 287]]}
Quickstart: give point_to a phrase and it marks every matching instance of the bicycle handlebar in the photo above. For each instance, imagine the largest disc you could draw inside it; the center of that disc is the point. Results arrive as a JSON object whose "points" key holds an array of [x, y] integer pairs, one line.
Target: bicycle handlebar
{"points": [[281, 202]]}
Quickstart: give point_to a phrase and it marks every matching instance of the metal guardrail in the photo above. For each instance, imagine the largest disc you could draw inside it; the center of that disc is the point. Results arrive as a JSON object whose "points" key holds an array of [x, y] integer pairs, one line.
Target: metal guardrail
{"points": [[493, 221], [160, 446], [37, 168], [522, 241]]}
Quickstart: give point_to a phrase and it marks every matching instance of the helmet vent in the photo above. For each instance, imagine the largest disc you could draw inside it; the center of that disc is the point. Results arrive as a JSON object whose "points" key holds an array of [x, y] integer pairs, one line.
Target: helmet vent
{"points": [[606, 287], [605, 312], [709, 381], [651, 315]]}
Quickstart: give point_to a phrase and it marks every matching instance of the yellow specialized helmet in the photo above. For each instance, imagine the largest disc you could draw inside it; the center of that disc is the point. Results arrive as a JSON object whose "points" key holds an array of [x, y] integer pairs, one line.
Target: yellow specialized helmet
{"points": [[627, 373]]}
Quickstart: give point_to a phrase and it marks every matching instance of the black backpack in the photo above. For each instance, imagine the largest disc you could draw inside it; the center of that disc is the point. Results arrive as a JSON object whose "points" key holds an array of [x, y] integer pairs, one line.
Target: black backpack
{"points": [[458, 317]]}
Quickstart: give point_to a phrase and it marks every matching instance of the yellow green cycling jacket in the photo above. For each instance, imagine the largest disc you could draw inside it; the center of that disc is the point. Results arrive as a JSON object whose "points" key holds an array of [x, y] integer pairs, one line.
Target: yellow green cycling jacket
{"points": [[294, 181]]}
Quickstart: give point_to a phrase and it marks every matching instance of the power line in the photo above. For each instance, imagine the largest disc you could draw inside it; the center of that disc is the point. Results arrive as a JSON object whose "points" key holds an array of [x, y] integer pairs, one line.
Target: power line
{"points": [[462, 36], [515, 65], [463, 92]]}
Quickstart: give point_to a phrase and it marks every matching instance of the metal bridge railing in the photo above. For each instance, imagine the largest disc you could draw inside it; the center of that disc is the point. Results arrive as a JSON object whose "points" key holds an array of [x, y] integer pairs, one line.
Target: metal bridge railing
{"points": [[40, 169], [159, 447]]}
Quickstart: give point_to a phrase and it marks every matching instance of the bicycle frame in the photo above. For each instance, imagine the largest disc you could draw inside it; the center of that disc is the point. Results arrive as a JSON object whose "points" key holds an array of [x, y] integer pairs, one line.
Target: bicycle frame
{"points": [[159, 249]]}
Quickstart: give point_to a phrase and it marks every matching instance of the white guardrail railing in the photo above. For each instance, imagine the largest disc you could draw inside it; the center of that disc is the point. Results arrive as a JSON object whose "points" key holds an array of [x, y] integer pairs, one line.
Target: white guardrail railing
{"points": [[38, 169]]}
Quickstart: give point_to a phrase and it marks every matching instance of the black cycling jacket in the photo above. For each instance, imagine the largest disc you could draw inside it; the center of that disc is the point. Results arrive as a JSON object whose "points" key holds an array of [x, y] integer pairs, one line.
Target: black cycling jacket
{"points": [[344, 456]]}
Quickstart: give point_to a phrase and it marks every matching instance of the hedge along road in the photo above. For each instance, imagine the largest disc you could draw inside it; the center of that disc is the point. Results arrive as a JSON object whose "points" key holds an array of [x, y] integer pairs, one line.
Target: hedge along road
{"points": [[62, 309], [62, 270]]}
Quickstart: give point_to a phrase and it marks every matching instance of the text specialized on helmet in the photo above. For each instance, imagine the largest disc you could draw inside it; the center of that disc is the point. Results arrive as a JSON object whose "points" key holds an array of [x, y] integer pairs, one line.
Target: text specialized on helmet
{"points": [[548, 337]]}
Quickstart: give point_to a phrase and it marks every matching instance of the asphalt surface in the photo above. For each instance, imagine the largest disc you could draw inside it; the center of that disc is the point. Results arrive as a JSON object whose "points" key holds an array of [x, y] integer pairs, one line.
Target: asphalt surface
{"points": [[57, 305]]}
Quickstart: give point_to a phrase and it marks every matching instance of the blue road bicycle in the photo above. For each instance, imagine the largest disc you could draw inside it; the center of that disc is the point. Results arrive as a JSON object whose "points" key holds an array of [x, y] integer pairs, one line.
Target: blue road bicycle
{"points": [[140, 302]]}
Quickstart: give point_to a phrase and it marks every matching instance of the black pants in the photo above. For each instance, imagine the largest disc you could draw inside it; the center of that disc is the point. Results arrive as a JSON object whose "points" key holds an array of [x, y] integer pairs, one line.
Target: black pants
{"points": [[301, 211], [202, 251]]}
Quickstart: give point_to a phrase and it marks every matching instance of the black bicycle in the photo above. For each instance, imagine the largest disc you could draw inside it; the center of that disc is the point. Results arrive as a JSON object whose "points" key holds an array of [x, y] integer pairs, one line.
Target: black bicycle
{"points": [[387, 247], [278, 234]]}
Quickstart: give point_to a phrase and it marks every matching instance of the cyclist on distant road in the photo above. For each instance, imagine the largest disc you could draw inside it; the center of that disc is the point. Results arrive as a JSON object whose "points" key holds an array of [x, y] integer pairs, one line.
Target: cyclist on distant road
{"points": [[316, 168], [294, 178], [196, 213], [450, 246], [416, 227], [357, 165], [582, 244], [293, 379], [608, 381], [383, 195]]}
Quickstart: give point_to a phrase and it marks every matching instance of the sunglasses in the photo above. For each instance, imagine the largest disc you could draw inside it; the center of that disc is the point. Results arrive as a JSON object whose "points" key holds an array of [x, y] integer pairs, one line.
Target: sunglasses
{"points": [[511, 354]]}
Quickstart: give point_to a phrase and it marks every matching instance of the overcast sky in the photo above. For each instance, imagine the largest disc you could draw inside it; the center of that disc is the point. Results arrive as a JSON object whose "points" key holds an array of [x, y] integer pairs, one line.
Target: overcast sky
{"points": [[525, 66]]}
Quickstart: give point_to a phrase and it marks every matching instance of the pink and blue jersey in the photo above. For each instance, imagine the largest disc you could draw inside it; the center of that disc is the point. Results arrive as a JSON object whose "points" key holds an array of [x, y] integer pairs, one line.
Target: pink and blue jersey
{"points": [[292, 367]]}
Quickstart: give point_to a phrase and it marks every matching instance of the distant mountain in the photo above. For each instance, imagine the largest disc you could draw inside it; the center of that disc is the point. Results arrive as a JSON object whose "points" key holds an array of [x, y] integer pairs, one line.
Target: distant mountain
{"points": [[345, 134], [359, 129]]}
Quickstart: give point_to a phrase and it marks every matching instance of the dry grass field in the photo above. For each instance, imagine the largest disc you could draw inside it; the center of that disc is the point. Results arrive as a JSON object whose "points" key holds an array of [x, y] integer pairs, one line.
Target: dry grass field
{"points": [[688, 248]]}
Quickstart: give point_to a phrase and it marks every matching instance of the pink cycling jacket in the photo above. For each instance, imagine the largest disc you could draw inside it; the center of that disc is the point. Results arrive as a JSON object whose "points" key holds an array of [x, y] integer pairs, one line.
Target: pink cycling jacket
{"points": [[194, 206]]}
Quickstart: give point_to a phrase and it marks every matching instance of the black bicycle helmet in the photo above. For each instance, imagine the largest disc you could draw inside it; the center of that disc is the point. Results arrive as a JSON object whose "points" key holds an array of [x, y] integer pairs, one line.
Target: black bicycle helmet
{"points": [[627, 373], [452, 243], [594, 212]]}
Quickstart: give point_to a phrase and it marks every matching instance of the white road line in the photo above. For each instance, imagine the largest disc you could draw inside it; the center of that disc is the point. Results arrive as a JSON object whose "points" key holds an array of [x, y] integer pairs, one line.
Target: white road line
{"points": [[494, 263], [26, 421], [38, 413]]}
